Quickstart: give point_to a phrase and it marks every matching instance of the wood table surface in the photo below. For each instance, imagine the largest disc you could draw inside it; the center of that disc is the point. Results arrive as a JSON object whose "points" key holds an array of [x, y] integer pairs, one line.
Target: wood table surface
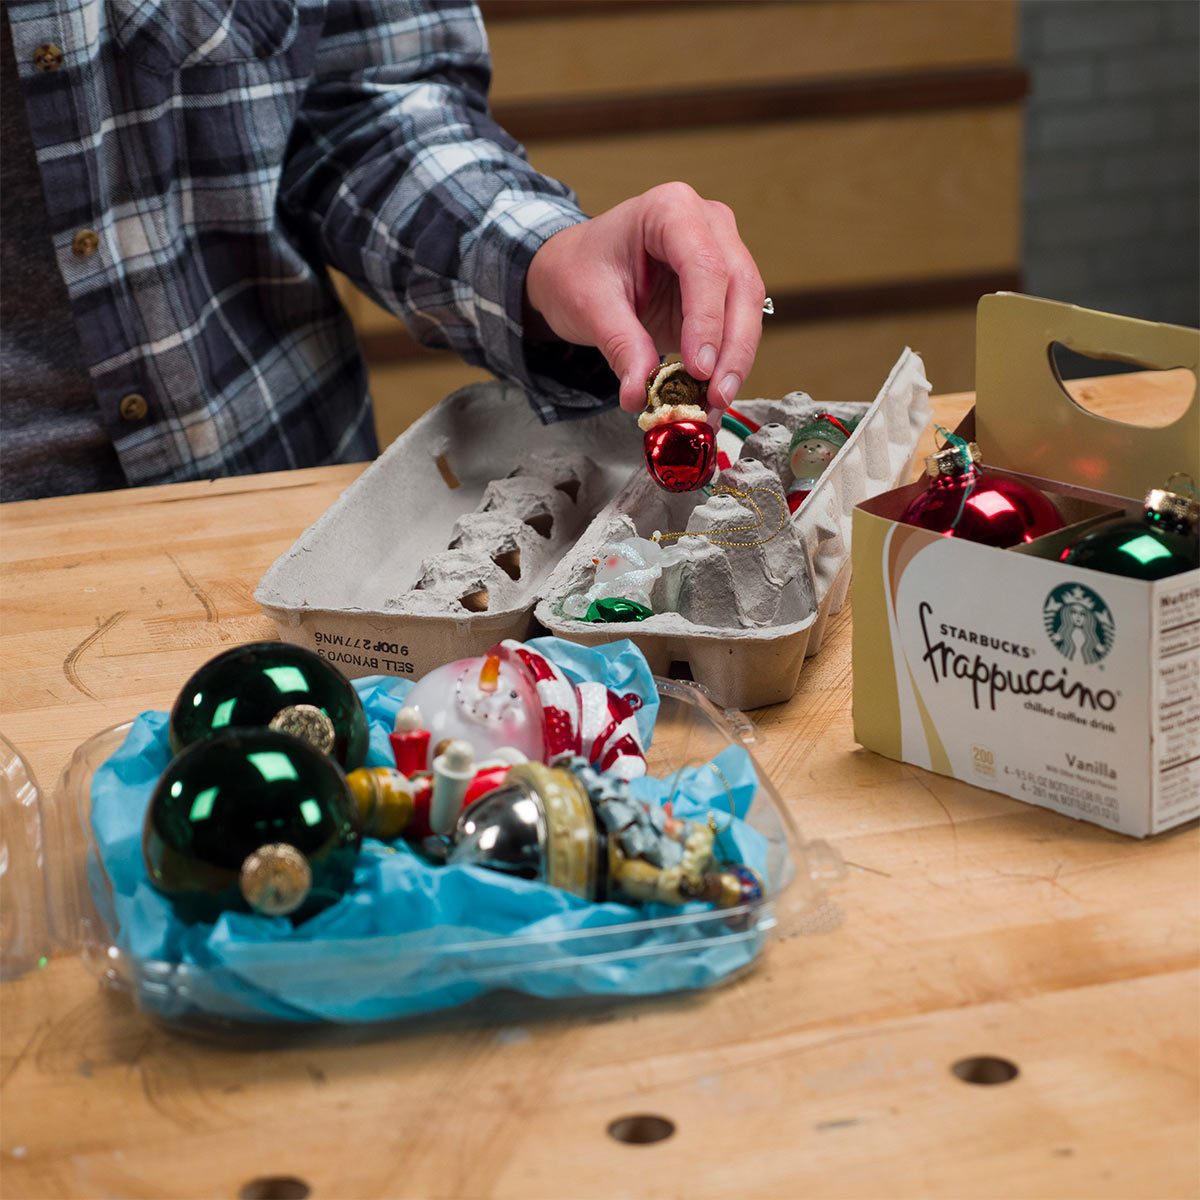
{"points": [[968, 925]]}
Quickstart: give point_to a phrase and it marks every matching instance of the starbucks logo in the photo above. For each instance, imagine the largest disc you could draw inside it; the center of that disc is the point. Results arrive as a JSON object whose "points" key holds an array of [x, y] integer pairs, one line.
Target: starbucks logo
{"points": [[1078, 622]]}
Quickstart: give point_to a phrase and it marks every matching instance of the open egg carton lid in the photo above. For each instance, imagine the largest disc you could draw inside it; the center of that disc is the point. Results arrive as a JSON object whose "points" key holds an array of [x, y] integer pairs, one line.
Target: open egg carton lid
{"points": [[478, 515], [441, 547]]}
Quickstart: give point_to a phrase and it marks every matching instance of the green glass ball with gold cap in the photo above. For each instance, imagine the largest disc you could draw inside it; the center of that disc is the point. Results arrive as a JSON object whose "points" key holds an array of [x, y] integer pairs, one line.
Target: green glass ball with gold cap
{"points": [[276, 685], [1163, 541], [251, 821]]}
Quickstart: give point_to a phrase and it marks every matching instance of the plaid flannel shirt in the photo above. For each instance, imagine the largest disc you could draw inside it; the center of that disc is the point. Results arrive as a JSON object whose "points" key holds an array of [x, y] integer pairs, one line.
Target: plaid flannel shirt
{"points": [[203, 160]]}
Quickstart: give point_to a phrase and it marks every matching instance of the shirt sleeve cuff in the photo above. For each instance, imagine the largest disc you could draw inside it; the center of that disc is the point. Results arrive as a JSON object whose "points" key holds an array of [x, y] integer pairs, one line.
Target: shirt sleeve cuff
{"points": [[561, 380]]}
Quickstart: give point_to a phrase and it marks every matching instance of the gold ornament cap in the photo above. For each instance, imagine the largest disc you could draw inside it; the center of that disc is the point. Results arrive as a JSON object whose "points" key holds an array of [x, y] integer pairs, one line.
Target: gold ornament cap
{"points": [[307, 722], [570, 825], [275, 879], [1178, 510], [949, 460]]}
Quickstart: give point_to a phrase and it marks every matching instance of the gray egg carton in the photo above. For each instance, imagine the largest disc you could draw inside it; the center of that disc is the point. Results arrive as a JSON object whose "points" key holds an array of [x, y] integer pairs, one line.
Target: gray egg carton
{"points": [[478, 517]]}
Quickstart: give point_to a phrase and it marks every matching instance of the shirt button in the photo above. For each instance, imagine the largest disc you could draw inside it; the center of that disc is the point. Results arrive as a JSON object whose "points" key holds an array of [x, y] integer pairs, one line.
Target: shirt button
{"points": [[85, 243], [48, 57], [133, 407]]}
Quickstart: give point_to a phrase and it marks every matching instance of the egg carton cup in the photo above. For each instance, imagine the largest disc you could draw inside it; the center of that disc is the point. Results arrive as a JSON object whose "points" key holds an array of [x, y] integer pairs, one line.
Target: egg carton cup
{"points": [[478, 521], [721, 639]]}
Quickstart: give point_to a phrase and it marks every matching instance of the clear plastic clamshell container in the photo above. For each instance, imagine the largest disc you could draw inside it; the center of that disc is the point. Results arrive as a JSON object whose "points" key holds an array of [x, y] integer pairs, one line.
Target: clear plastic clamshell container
{"points": [[690, 731]]}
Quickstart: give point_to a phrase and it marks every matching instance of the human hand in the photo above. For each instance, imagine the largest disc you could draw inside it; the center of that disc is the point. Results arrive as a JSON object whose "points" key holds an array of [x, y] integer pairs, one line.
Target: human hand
{"points": [[661, 272]]}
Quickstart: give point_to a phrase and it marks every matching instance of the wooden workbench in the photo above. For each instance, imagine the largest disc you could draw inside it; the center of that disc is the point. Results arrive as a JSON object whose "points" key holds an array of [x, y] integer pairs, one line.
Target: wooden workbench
{"points": [[970, 925]]}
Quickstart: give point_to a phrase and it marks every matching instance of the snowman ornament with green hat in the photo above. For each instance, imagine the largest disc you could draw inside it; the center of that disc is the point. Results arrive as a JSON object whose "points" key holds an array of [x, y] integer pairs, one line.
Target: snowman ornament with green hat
{"points": [[814, 446]]}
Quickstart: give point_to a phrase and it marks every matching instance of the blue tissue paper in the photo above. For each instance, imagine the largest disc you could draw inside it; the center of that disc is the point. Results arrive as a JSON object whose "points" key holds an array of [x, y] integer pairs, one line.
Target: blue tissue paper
{"points": [[408, 937]]}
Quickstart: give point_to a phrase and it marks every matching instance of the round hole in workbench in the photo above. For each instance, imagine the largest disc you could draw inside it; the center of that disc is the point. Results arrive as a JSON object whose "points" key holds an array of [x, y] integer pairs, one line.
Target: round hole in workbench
{"points": [[984, 1069], [641, 1129], [275, 1187]]}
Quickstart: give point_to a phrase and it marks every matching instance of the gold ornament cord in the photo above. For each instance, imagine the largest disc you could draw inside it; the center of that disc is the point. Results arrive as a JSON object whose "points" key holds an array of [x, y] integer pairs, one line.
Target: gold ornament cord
{"points": [[746, 495]]}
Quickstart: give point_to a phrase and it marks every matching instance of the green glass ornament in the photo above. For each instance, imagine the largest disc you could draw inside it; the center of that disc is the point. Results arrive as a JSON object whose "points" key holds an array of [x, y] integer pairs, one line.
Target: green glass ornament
{"points": [[1165, 541], [278, 685], [253, 821], [616, 608]]}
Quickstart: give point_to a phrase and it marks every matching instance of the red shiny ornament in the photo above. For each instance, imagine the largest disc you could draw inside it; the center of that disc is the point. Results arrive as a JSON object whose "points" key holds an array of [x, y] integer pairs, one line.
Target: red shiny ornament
{"points": [[979, 507], [681, 456]]}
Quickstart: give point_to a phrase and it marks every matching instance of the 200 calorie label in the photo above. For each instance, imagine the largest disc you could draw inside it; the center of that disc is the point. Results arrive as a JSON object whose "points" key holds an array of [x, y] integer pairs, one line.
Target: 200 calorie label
{"points": [[363, 655]]}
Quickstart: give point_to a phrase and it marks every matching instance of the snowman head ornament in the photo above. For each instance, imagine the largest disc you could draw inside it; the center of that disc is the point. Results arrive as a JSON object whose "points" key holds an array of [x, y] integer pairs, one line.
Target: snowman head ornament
{"points": [[815, 445], [487, 702], [515, 697]]}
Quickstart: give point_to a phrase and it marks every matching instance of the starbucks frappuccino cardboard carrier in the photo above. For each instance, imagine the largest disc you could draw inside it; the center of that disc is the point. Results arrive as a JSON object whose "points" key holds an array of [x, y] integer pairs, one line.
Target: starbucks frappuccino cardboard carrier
{"points": [[1066, 687]]}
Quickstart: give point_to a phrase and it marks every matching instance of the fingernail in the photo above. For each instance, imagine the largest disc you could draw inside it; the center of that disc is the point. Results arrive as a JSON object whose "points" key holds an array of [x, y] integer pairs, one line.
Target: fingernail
{"points": [[706, 360], [729, 388]]}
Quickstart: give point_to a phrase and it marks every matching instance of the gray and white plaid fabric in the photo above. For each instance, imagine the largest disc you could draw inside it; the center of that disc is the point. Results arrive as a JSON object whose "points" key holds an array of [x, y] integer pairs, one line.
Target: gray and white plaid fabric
{"points": [[224, 151]]}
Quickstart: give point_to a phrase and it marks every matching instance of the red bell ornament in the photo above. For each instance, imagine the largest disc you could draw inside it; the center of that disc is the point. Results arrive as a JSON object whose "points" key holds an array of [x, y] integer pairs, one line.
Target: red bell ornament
{"points": [[680, 445], [681, 456], [964, 501]]}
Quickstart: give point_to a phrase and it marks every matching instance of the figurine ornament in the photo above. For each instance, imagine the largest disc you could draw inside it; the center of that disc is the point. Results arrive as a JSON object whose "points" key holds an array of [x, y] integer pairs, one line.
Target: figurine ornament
{"points": [[680, 446]]}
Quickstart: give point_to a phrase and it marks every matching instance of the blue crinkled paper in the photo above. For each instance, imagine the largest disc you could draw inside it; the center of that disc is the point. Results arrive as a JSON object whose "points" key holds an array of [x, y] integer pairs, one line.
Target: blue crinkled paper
{"points": [[408, 937]]}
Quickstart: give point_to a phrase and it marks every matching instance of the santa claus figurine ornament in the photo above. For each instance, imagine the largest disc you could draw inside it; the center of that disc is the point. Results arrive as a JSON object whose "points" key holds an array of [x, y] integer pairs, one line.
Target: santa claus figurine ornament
{"points": [[680, 445]]}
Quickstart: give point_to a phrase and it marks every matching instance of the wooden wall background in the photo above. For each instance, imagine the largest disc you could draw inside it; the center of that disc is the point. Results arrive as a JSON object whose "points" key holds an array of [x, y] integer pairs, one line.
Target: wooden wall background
{"points": [[870, 148]]}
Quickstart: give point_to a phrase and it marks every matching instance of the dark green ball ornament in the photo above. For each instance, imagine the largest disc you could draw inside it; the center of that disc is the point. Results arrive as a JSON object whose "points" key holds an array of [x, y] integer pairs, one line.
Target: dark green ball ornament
{"points": [[254, 821], [1165, 541], [276, 685]]}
